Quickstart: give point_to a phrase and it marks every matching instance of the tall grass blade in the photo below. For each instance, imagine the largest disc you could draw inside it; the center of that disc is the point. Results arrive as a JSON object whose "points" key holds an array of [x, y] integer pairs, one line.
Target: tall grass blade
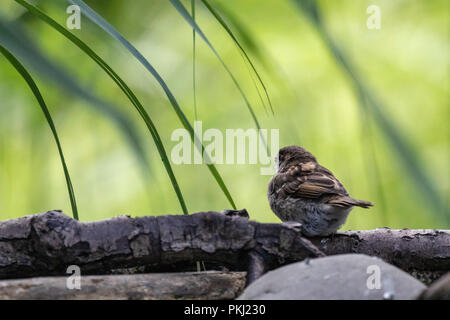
{"points": [[238, 44], [248, 41], [182, 10], [16, 41], [255, 84], [102, 23], [29, 80], [245, 36], [123, 86], [193, 62]]}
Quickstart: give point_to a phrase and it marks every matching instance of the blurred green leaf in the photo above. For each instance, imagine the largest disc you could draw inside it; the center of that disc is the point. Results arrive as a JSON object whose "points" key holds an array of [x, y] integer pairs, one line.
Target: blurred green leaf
{"points": [[406, 154], [246, 57], [261, 53], [16, 41], [245, 36], [193, 62], [182, 10], [107, 27], [27, 77], [123, 86]]}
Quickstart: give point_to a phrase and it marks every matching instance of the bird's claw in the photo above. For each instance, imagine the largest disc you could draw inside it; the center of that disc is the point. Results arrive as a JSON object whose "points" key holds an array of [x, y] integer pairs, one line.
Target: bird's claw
{"points": [[294, 225]]}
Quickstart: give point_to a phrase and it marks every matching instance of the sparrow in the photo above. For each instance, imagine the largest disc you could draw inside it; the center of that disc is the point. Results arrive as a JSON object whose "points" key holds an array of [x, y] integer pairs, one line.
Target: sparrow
{"points": [[307, 195]]}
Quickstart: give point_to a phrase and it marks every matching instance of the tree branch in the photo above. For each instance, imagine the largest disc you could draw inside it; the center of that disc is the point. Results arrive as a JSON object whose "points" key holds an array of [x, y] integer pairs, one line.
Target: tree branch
{"points": [[211, 285], [47, 243]]}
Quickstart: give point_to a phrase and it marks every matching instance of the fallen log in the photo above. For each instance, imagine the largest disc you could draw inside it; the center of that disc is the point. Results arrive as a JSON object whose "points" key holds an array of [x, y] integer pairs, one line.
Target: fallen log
{"points": [[210, 285], [46, 244]]}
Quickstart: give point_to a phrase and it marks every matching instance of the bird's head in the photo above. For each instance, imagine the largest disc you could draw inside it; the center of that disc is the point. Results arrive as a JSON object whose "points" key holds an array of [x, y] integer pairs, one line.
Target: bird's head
{"points": [[293, 155]]}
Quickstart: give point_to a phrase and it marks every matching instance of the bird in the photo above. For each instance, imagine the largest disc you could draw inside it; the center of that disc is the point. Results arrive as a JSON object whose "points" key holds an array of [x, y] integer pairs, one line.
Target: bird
{"points": [[307, 196]]}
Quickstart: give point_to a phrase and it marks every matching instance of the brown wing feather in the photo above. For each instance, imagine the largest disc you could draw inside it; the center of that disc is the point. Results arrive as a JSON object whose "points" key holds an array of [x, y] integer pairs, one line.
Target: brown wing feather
{"points": [[309, 180], [313, 184], [318, 183]]}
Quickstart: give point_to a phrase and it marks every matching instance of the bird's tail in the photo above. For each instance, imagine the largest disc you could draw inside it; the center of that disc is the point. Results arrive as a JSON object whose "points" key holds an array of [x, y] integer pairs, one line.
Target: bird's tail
{"points": [[350, 202], [362, 203]]}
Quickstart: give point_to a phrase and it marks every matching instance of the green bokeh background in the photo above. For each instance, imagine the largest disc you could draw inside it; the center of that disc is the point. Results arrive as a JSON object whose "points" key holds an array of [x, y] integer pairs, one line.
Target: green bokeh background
{"points": [[405, 63]]}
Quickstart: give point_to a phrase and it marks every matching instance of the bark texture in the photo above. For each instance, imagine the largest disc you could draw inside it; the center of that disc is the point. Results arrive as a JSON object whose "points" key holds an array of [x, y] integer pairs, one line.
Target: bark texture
{"points": [[211, 285], [424, 253], [46, 244]]}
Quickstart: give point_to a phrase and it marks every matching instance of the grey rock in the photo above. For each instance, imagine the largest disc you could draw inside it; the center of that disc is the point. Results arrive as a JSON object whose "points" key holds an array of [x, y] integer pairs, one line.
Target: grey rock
{"points": [[439, 290], [338, 277]]}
